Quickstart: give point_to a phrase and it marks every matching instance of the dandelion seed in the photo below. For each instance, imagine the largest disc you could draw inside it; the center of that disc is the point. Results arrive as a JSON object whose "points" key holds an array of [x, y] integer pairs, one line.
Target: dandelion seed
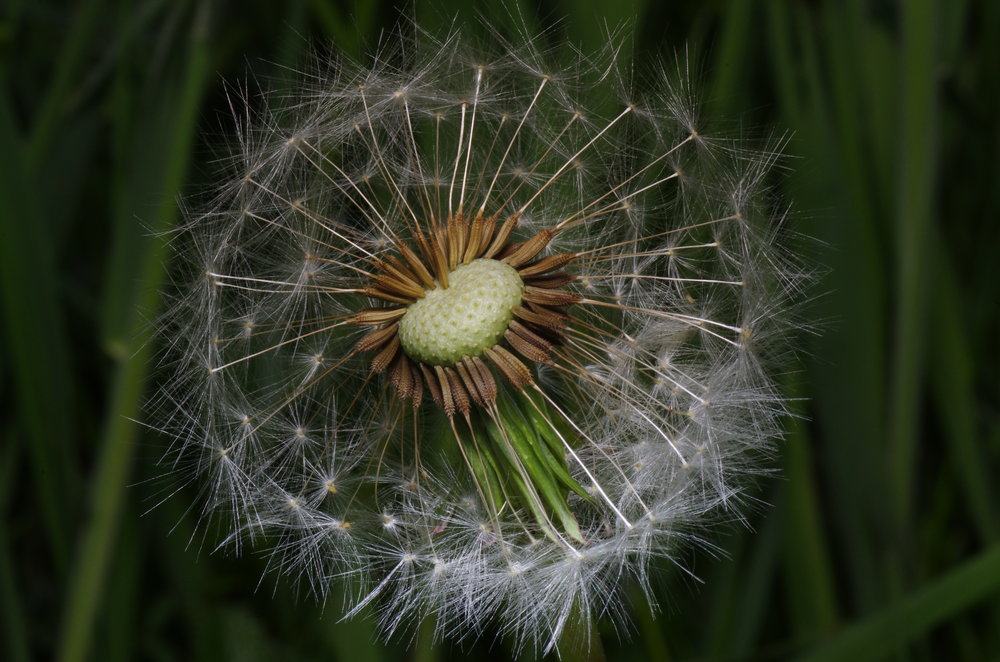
{"points": [[472, 341]]}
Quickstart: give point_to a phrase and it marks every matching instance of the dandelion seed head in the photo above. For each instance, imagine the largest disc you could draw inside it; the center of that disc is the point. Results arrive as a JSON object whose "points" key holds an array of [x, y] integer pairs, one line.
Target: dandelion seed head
{"points": [[459, 326]]}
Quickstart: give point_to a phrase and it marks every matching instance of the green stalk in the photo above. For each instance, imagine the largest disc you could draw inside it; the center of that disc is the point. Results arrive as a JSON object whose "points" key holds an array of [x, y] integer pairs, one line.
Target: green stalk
{"points": [[730, 67], [884, 632], [955, 394], [913, 221], [347, 32], [849, 377], [808, 569], [70, 61], [754, 587], [117, 448], [40, 357]]}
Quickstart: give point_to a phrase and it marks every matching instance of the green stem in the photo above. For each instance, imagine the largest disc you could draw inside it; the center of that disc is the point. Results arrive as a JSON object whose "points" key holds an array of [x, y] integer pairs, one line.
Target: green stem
{"points": [[39, 352], [70, 61], [884, 632], [114, 464], [913, 221]]}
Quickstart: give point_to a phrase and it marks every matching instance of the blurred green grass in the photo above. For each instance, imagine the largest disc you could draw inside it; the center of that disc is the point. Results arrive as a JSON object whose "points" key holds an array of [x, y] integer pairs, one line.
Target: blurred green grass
{"points": [[882, 542]]}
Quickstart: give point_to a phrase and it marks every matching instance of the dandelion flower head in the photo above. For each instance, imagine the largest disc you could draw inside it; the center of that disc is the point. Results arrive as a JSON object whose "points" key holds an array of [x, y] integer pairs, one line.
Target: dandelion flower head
{"points": [[488, 334]]}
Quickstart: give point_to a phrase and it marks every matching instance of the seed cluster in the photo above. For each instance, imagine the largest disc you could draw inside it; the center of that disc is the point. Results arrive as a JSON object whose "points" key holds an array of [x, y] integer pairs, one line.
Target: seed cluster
{"points": [[404, 278], [465, 319], [520, 470]]}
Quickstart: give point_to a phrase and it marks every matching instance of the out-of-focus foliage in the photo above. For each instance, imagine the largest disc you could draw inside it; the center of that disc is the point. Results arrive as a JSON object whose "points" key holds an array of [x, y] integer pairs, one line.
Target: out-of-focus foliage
{"points": [[881, 537]]}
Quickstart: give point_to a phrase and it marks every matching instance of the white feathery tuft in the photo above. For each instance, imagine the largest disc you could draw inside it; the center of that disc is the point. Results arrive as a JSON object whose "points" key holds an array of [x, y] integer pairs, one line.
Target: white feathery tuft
{"points": [[657, 393]]}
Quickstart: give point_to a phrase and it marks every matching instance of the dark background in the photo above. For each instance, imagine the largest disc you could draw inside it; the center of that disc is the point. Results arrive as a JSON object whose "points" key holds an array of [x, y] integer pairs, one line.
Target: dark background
{"points": [[881, 541]]}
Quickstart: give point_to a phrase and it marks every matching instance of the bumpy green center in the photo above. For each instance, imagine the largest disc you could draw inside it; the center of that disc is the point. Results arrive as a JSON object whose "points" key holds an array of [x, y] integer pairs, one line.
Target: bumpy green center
{"points": [[465, 319]]}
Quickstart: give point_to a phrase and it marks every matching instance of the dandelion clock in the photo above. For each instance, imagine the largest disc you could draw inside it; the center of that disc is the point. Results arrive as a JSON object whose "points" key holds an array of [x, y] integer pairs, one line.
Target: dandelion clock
{"points": [[488, 335]]}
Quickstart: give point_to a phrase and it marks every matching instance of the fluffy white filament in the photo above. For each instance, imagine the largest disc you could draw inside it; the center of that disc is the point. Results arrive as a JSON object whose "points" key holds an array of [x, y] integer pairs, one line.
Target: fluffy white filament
{"points": [[659, 384]]}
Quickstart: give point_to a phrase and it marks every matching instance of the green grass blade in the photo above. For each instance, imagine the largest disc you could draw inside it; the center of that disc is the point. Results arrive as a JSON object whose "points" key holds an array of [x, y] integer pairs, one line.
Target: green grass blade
{"points": [[588, 26], [70, 61], [115, 460], [874, 63], [122, 611], [651, 630], [38, 344], [881, 634], [954, 391], [808, 568], [753, 590], [348, 32], [848, 375], [782, 59], [913, 221], [730, 68], [136, 174]]}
